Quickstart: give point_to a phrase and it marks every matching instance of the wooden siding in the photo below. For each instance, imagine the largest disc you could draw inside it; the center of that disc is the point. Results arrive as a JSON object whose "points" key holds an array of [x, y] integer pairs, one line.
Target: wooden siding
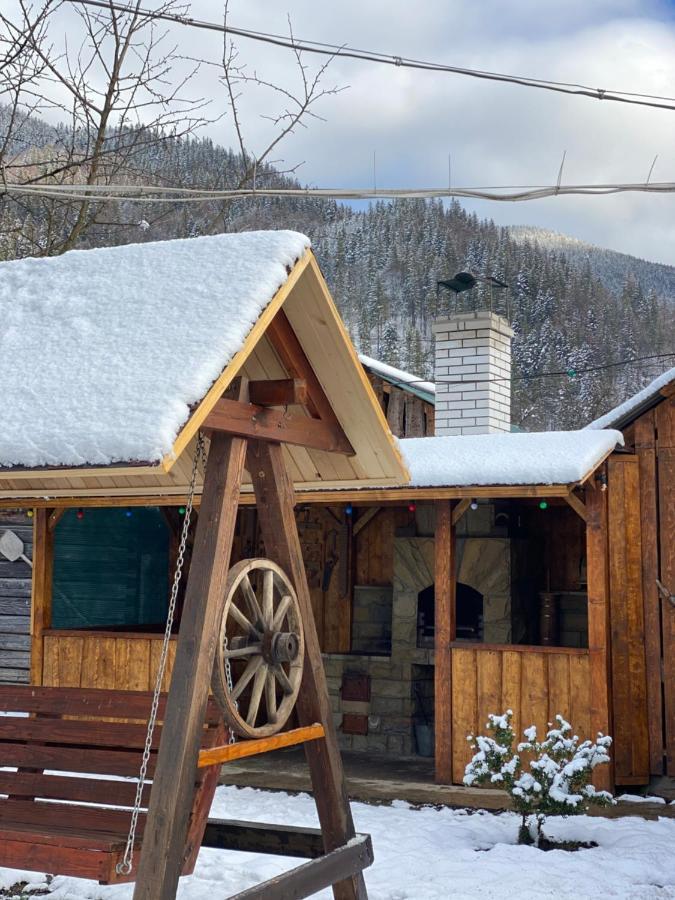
{"points": [[534, 682], [15, 593], [104, 660], [629, 678], [407, 414], [665, 427]]}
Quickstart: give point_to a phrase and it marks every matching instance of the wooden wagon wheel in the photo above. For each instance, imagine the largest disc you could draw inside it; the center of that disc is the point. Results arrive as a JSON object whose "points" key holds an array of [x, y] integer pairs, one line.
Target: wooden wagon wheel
{"points": [[262, 645]]}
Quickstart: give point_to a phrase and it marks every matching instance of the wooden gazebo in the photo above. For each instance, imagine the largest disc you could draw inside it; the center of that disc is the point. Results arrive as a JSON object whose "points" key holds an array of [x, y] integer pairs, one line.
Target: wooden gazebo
{"points": [[156, 350]]}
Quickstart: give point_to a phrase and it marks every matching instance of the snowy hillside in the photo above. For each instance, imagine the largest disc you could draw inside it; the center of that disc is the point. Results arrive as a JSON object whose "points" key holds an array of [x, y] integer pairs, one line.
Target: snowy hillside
{"points": [[611, 267]]}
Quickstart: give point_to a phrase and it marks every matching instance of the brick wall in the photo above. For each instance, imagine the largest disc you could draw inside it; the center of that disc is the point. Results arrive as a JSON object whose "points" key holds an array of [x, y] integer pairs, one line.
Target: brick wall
{"points": [[472, 372]]}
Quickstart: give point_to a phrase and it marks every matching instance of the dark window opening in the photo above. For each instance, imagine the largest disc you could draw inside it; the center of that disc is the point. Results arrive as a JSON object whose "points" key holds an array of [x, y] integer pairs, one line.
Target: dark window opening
{"points": [[469, 615], [111, 569]]}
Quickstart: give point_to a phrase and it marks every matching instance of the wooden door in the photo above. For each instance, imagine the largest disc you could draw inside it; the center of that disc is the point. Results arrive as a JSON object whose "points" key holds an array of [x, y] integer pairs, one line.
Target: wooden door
{"points": [[628, 666], [665, 450]]}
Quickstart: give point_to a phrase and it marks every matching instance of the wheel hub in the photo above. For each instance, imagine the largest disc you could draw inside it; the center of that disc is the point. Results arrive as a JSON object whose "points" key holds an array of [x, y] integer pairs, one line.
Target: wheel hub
{"points": [[280, 646]]}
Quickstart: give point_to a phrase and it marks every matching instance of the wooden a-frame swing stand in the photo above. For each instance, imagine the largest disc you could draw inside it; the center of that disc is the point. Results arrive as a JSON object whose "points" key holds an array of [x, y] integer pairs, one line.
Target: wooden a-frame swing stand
{"points": [[173, 789]]}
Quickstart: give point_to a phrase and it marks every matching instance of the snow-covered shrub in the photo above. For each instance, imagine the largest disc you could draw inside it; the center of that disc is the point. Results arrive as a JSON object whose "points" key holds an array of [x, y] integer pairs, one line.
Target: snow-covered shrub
{"points": [[560, 769]]}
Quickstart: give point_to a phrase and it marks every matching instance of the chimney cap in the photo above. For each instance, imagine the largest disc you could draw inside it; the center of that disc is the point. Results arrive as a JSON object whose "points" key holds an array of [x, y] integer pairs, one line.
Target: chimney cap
{"points": [[462, 281]]}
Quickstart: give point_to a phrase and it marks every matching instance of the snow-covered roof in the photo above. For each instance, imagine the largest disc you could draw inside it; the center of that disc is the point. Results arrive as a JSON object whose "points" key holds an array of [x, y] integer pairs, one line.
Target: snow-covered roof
{"points": [[413, 383], [104, 352], [630, 409], [550, 457]]}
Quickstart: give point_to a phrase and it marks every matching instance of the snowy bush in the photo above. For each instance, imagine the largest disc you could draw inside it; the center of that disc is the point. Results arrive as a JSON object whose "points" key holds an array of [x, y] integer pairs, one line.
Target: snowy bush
{"points": [[560, 769]]}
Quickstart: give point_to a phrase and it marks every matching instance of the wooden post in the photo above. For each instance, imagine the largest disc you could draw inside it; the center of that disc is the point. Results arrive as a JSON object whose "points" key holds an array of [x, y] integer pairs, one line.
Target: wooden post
{"points": [[275, 502], [41, 593], [172, 795], [597, 564], [645, 448], [444, 630]]}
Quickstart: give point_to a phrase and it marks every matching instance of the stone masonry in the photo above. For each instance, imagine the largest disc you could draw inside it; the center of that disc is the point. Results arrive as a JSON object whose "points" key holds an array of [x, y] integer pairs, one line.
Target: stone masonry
{"points": [[472, 346]]}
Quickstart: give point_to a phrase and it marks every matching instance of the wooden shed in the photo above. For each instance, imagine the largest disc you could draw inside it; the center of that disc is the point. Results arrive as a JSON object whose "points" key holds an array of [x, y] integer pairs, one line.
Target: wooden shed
{"points": [[641, 520]]}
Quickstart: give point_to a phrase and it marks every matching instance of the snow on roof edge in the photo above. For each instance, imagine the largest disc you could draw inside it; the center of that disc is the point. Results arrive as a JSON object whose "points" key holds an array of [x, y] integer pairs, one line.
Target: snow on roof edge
{"points": [[511, 458], [620, 412], [398, 377]]}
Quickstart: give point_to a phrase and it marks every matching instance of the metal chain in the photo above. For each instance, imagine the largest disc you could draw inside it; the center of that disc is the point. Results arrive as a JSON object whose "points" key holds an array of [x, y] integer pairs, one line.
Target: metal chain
{"points": [[125, 867], [230, 686]]}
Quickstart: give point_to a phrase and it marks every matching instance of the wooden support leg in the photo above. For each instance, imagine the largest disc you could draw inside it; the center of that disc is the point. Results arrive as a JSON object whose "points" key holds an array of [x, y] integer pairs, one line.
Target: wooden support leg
{"points": [[275, 501], [444, 630], [171, 799]]}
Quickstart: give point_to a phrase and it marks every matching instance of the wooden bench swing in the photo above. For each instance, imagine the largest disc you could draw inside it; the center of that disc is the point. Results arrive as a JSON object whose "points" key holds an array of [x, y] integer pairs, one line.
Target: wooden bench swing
{"points": [[248, 634]]}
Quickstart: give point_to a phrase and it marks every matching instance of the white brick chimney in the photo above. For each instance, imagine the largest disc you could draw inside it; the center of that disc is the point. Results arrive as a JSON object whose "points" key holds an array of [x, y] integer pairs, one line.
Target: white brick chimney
{"points": [[472, 373]]}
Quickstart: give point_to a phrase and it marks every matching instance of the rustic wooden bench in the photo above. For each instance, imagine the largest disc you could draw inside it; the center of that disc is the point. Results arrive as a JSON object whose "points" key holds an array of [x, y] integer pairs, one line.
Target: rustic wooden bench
{"points": [[64, 748]]}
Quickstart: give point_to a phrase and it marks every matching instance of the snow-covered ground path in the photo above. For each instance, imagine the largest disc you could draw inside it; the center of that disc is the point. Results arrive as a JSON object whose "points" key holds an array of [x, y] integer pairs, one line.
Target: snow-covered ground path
{"points": [[431, 854]]}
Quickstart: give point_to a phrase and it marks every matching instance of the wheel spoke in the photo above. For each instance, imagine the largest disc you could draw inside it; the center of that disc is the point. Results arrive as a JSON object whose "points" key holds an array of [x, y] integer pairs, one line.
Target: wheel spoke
{"points": [[280, 614], [282, 678], [251, 650], [241, 619], [252, 600], [271, 697], [268, 597], [256, 694], [252, 667]]}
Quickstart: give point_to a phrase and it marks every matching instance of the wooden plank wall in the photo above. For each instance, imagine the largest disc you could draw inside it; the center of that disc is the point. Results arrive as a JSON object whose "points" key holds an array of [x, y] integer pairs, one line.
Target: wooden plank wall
{"points": [[104, 660], [407, 414], [665, 425], [15, 593], [628, 664], [536, 684], [645, 449]]}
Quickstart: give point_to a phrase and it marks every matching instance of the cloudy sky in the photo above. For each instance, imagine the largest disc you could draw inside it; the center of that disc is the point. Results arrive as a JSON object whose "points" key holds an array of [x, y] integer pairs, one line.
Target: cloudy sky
{"points": [[495, 133]]}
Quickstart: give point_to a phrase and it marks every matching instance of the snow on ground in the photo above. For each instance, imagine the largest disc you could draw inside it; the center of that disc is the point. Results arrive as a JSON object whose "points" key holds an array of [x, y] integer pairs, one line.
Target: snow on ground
{"points": [[103, 352], [434, 854], [543, 457]]}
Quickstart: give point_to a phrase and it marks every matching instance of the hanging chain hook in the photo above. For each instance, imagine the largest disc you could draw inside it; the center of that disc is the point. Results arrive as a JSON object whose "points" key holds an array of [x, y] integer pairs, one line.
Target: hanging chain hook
{"points": [[126, 865]]}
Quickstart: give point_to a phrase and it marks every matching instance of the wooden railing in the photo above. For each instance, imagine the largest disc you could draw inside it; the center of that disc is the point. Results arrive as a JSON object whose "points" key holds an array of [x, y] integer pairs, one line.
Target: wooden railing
{"points": [[535, 682], [100, 659]]}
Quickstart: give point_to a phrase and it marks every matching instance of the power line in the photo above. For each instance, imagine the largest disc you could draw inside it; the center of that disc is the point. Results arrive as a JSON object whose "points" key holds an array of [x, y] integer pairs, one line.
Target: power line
{"points": [[344, 51], [145, 193], [572, 372]]}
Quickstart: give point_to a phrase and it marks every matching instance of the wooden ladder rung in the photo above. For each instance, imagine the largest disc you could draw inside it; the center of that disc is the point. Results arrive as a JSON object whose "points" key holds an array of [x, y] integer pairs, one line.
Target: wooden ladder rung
{"points": [[216, 755]]}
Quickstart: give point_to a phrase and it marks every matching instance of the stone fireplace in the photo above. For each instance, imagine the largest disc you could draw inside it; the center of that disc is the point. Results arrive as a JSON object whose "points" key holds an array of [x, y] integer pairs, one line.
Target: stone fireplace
{"points": [[399, 681]]}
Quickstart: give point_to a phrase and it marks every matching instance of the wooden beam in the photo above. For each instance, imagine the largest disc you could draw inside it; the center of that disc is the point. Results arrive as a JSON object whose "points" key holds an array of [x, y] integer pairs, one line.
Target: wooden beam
{"points": [[330, 494], [41, 591], [645, 448], [263, 837], [460, 509], [261, 423], [216, 755], [55, 518], [172, 795], [347, 861], [276, 515], [597, 565], [577, 505], [289, 350], [365, 519], [278, 392], [444, 631], [234, 367]]}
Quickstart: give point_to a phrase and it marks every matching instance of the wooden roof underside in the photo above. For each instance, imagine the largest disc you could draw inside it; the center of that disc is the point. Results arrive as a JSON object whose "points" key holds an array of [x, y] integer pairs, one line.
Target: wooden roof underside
{"points": [[312, 315]]}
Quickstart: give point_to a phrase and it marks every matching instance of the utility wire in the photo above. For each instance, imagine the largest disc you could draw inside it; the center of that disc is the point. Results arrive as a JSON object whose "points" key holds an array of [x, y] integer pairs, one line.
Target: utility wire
{"points": [[571, 372], [335, 50], [167, 194]]}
